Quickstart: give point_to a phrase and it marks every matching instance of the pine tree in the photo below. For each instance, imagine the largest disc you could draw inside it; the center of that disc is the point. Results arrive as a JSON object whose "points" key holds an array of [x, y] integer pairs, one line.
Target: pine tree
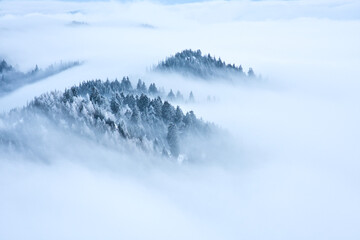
{"points": [[190, 119], [179, 96], [130, 100], [157, 105], [143, 103], [173, 140], [141, 87], [191, 97], [126, 84], [152, 89], [179, 115], [74, 91], [171, 95], [114, 105], [67, 96], [251, 73], [135, 116], [167, 112], [4, 66], [95, 97]]}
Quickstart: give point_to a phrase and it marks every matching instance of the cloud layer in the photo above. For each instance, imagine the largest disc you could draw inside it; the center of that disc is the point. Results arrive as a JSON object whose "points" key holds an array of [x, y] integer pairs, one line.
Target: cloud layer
{"points": [[292, 172]]}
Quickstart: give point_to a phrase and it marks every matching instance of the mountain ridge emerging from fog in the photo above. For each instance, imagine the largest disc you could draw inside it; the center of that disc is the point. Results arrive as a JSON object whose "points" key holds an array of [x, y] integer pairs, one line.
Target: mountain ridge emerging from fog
{"points": [[12, 79], [194, 63], [114, 112]]}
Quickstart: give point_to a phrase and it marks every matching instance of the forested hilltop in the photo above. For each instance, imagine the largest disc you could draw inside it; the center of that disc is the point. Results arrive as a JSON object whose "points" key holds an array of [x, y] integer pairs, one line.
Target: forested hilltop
{"points": [[193, 63], [11, 78], [125, 85], [111, 111]]}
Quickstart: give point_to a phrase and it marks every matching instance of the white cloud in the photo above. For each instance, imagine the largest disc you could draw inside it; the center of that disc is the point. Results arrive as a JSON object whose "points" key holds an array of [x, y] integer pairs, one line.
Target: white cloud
{"points": [[295, 172]]}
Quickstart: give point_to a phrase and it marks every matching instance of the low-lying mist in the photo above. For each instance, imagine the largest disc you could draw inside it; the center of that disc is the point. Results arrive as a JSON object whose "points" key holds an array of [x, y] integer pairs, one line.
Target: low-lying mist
{"points": [[291, 170], [288, 163]]}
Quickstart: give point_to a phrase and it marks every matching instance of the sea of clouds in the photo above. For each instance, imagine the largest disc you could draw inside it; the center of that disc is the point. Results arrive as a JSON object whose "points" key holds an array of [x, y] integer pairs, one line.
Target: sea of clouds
{"points": [[291, 170]]}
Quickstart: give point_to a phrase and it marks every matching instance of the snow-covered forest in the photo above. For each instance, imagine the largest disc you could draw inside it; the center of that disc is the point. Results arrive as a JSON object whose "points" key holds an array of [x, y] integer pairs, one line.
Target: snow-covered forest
{"points": [[114, 112], [11, 79], [193, 63]]}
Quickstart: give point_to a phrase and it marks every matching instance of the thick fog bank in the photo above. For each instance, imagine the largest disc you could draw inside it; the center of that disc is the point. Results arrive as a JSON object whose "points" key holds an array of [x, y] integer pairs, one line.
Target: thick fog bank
{"points": [[290, 170]]}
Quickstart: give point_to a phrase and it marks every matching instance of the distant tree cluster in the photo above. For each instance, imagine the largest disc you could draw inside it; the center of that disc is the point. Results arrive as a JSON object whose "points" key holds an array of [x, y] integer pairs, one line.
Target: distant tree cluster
{"points": [[189, 62], [78, 23], [11, 79], [111, 108], [110, 87], [5, 67]]}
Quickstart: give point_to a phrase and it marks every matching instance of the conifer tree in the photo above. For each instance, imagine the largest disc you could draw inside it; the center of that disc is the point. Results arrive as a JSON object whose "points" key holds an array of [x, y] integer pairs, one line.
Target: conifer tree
{"points": [[173, 139], [171, 95], [191, 97]]}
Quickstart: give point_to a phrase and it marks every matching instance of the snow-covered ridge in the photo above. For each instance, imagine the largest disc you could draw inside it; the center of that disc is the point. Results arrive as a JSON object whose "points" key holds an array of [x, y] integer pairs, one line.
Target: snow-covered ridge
{"points": [[12, 79], [109, 112], [193, 63]]}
